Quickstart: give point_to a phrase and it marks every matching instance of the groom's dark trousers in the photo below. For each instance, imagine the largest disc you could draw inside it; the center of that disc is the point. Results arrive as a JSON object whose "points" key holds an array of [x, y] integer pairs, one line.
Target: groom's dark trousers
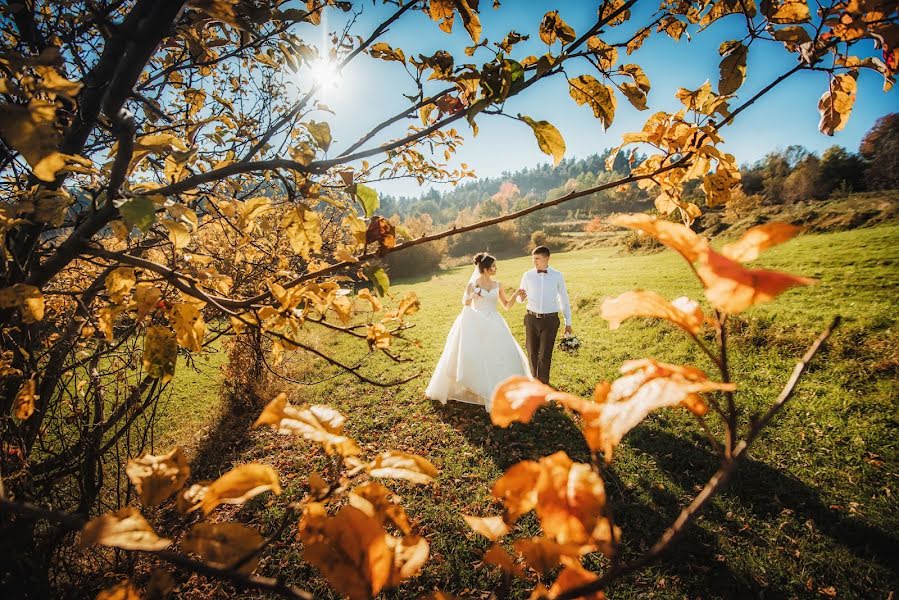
{"points": [[540, 338]]}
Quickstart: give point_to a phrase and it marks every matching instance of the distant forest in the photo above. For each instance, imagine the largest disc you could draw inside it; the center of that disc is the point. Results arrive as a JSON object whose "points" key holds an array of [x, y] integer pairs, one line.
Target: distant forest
{"points": [[783, 176]]}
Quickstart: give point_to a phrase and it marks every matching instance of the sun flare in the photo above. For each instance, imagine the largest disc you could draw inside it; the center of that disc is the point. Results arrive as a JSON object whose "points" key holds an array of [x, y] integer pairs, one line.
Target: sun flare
{"points": [[325, 74]]}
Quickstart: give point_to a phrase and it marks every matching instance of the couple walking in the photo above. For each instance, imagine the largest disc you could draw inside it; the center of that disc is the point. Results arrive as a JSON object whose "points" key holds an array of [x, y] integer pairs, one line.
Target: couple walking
{"points": [[480, 350]]}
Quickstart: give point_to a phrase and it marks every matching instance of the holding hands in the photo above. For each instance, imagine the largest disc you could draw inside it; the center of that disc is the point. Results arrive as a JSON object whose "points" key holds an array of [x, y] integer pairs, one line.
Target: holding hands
{"points": [[521, 294]]}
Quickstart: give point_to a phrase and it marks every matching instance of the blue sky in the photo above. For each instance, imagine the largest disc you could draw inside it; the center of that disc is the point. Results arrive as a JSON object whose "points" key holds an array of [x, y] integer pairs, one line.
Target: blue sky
{"points": [[371, 90]]}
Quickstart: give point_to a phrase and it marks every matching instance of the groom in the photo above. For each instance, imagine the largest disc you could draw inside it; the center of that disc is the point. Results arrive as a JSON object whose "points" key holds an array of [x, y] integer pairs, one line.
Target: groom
{"points": [[545, 293]]}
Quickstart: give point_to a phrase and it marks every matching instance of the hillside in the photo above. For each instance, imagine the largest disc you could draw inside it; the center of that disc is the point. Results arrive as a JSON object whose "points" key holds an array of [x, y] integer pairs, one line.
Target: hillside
{"points": [[811, 513]]}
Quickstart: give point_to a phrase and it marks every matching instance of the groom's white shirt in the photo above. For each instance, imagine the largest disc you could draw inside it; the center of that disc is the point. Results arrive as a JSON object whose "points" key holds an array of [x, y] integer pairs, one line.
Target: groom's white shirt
{"points": [[546, 292]]}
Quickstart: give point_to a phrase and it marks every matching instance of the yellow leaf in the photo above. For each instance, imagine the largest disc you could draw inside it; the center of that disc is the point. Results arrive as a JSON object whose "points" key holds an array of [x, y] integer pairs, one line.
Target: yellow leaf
{"points": [[836, 103], [683, 312], [791, 35], [321, 134], [317, 423], [251, 209], [366, 295], [302, 228], [442, 10], [54, 83], [732, 68], [239, 485], [31, 131], [119, 283], [146, 297], [189, 498], [350, 549], [401, 465], [179, 234], [27, 298], [496, 555], [222, 544], [378, 336], [548, 138], [605, 54], [757, 239], [571, 502], [647, 385], [126, 529], [552, 27], [544, 554], [788, 11], [492, 528], [158, 477], [189, 326], [343, 306], [383, 51], [585, 89], [517, 489], [23, 405]]}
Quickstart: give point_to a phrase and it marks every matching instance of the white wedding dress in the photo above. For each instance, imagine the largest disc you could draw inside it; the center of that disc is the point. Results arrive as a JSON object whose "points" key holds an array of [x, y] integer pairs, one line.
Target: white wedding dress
{"points": [[480, 352]]}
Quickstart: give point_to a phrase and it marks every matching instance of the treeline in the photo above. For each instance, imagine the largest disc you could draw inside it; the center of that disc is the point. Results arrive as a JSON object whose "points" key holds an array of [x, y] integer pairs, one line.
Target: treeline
{"points": [[785, 176]]}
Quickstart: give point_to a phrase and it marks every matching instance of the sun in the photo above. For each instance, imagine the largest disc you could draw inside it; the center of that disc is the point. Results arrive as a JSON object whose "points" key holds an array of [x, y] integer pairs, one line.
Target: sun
{"points": [[325, 74]]}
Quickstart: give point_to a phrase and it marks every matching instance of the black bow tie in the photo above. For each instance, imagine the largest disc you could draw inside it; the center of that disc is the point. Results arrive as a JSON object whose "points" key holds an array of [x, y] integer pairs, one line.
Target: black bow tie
{"points": [[539, 271]]}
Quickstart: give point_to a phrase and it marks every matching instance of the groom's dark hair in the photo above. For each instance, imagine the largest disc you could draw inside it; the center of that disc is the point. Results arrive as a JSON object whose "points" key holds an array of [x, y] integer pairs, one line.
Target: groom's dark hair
{"points": [[542, 250]]}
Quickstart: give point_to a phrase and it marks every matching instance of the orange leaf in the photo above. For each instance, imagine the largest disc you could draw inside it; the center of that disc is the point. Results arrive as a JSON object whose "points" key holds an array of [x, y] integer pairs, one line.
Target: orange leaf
{"points": [[732, 288], [410, 553], [517, 489], [570, 502], [516, 399], [759, 238], [573, 576], [497, 556], [543, 554], [350, 549], [683, 312], [645, 386], [374, 500], [674, 235], [492, 528]]}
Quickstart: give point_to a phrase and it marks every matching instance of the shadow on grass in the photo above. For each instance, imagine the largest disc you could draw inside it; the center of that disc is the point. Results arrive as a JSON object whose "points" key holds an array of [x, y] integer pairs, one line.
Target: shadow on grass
{"points": [[229, 436], [549, 431], [698, 560], [761, 490]]}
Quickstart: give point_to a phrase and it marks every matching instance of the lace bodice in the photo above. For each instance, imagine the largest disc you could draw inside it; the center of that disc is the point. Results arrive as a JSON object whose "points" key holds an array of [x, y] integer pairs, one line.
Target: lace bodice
{"points": [[485, 300]]}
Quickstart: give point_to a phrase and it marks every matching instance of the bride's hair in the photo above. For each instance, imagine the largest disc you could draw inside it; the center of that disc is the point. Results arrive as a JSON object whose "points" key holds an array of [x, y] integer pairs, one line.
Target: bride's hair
{"points": [[484, 261]]}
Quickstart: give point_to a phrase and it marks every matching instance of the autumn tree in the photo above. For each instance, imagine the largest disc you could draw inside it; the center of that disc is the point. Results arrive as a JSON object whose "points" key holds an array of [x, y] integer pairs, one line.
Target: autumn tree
{"points": [[164, 187]]}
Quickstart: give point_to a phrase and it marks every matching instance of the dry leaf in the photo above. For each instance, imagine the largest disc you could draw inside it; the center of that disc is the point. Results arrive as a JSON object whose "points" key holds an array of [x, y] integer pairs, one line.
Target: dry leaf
{"points": [[239, 485], [732, 288], [492, 528], [223, 544], [683, 312], [317, 423], [158, 477], [400, 465], [126, 529]]}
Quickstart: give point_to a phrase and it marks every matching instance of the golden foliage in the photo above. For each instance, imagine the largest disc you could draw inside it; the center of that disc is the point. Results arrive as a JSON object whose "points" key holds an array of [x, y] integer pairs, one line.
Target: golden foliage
{"points": [[158, 477], [126, 529]]}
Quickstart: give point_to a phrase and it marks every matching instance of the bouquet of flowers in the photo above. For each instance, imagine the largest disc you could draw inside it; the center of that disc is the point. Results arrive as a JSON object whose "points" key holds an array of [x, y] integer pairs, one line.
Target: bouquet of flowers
{"points": [[569, 343]]}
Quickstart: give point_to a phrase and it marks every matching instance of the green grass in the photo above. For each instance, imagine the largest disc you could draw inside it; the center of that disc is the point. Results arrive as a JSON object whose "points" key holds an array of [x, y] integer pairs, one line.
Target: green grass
{"points": [[811, 511]]}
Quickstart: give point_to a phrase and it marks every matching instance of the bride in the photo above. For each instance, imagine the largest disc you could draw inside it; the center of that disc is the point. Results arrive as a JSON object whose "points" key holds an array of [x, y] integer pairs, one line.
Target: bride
{"points": [[480, 351]]}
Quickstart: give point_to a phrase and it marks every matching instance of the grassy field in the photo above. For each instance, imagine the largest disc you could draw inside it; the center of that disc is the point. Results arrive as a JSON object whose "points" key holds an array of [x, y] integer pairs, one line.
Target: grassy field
{"points": [[811, 514]]}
